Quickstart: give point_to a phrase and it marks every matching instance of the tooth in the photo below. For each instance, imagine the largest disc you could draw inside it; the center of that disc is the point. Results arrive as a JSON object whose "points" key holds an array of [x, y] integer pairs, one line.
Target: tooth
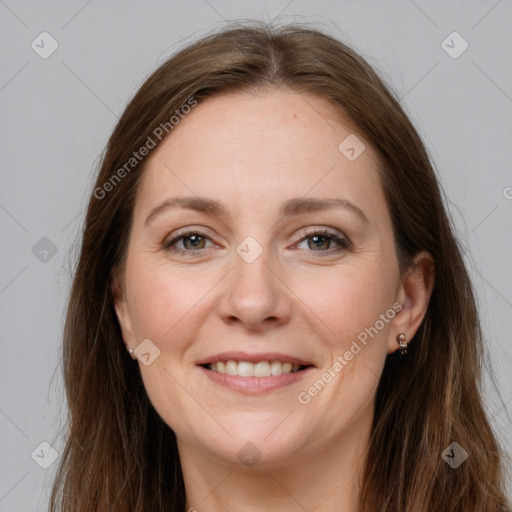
{"points": [[276, 368], [231, 367], [262, 369], [245, 369]]}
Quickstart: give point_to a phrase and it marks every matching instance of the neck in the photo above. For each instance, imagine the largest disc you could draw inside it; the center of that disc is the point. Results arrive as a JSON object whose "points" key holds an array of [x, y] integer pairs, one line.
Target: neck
{"points": [[325, 478]]}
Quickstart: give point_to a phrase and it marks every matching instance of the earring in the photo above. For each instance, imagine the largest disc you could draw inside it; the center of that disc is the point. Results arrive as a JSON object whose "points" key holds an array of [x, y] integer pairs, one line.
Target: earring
{"points": [[400, 339], [130, 351]]}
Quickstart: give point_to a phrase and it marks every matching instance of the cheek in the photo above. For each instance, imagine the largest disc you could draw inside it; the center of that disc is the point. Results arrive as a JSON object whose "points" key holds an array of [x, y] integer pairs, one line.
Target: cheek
{"points": [[160, 297], [165, 305], [346, 299], [347, 304]]}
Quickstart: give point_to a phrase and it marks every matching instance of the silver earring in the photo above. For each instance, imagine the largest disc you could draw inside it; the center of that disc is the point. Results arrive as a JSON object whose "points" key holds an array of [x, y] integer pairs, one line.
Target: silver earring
{"points": [[130, 351]]}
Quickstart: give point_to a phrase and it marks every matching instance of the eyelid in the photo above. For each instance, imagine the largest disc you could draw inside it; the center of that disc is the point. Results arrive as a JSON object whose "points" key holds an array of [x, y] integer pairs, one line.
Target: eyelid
{"points": [[323, 230], [338, 237], [184, 233]]}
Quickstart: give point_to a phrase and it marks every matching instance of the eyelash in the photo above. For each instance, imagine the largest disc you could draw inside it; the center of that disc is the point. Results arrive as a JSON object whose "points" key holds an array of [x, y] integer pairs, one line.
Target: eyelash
{"points": [[343, 242]]}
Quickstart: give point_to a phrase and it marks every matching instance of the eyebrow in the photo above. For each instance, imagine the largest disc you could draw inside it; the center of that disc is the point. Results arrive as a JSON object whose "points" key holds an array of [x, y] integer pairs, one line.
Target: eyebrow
{"points": [[295, 206]]}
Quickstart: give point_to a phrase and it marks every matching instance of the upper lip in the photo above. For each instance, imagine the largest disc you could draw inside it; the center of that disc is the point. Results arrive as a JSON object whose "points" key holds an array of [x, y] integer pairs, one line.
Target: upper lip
{"points": [[254, 358]]}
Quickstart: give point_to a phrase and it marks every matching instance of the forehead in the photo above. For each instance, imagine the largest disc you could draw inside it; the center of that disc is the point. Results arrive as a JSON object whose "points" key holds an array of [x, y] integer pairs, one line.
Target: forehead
{"points": [[261, 148]]}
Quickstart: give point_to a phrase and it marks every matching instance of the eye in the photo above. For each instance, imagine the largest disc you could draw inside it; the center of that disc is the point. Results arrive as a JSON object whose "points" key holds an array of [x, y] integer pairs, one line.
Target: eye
{"points": [[322, 240], [191, 240], [318, 240]]}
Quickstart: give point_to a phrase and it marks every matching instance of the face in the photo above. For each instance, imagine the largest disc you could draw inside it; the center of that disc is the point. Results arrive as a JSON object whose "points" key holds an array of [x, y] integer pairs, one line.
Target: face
{"points": [[261, 266]]}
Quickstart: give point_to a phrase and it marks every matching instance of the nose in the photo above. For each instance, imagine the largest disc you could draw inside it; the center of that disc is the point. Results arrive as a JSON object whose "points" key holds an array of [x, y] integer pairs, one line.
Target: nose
{"points": [[254, 295]]}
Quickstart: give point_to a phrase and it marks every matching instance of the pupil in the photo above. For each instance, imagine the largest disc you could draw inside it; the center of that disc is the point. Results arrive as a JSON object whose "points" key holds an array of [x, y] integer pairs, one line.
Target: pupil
{"points": [[319, 241], [194, 240]]}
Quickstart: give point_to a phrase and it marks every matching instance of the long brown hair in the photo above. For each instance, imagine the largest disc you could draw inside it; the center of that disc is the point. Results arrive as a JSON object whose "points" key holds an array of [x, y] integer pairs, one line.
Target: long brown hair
{"points": [[121, 456]]}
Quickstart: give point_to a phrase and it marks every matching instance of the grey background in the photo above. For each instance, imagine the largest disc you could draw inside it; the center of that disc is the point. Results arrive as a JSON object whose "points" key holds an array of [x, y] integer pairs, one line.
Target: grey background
{"points": [[57, 114]]}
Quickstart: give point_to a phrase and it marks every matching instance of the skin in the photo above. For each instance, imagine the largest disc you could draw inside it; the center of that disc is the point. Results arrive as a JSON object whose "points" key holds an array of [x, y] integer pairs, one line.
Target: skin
{"points": [[252, 152]]}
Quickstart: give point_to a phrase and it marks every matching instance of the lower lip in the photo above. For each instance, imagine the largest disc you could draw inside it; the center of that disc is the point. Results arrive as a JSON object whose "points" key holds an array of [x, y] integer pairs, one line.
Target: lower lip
{"points": [[254, 385]]}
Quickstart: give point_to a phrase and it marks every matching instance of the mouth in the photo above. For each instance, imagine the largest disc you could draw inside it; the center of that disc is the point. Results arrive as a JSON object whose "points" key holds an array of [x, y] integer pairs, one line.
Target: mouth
{"points": [[259, 369], [254, 373]]}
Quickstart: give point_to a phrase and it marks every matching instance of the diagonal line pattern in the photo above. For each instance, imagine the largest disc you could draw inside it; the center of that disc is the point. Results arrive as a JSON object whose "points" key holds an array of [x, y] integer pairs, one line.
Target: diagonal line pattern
{"points": [[286, 491], [198, 402], [281, 11], [85, 85], [497, 291], [279, 220], [231, 269], [14, 486], [486, 14], [14, 76], [310, 189], [71, 221], [492, 81], [419, 81], [424, 14], [342, 34], [323, 117], [215, 10], [327, 327], [165, 165], [200, 299], [13, 13], [13, 279], [501, 408], [482, 221], [279, 424], [14, 218], [75, 15], [216, 487], [14, 423]]}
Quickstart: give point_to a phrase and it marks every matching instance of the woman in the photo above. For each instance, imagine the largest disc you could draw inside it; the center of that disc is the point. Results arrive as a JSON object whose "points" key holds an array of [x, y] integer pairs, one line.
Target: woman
{"points": [[267, 239]]}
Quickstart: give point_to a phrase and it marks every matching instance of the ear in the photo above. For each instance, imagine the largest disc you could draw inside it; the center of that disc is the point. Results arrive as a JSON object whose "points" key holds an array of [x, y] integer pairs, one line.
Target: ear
{"points": [[118, 291], [414, 294]]}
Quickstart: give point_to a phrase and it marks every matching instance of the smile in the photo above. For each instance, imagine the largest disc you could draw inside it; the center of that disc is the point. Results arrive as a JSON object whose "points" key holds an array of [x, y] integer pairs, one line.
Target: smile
{"points": [[248, 369]]}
